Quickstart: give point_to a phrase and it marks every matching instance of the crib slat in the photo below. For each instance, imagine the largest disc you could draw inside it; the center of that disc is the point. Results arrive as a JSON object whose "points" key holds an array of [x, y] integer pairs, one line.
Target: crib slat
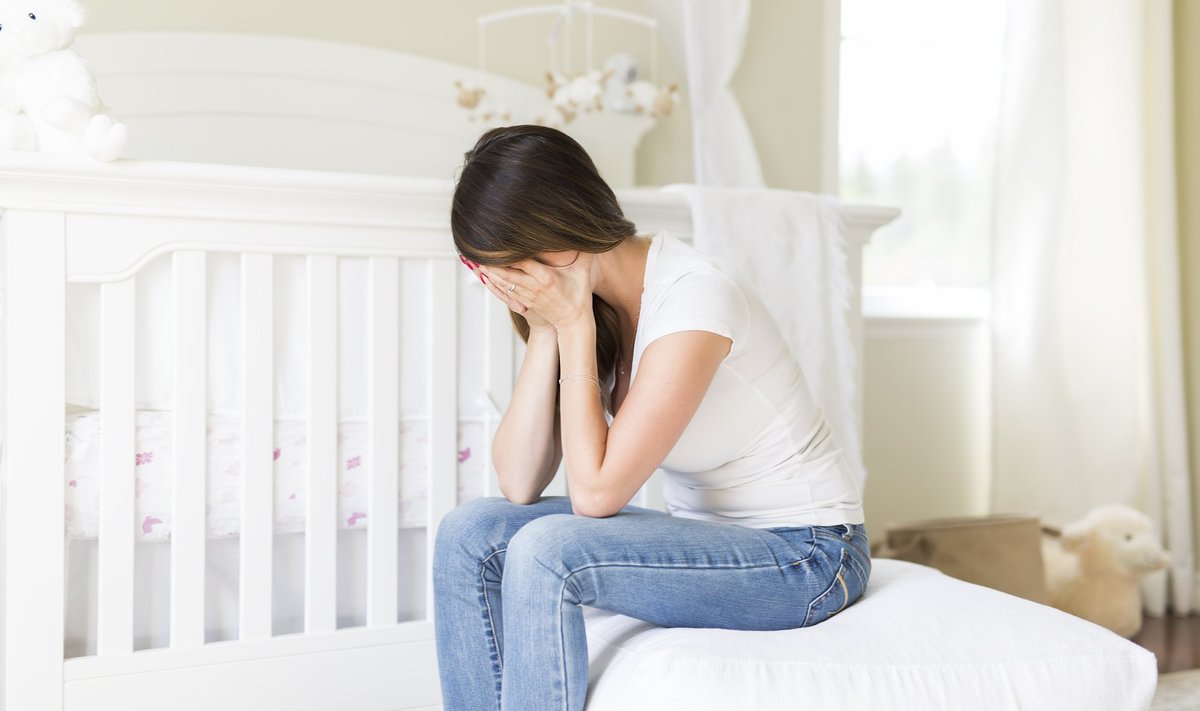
{"points": [[258, 379], [384, 463], [320, 540], [443, 403], [114, 605], [190, 441], [33, 515]]}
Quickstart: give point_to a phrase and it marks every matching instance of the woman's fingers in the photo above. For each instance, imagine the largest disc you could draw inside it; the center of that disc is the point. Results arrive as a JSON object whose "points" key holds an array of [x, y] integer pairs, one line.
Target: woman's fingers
{"points": [[506, 299], [508, 276]]}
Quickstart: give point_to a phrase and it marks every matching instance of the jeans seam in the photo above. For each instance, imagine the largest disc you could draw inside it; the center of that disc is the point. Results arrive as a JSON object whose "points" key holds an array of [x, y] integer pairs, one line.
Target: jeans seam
{"points": [[488, 604], [842, 565], [802, 560], [562, 648], [567, 578], [681, 567]]}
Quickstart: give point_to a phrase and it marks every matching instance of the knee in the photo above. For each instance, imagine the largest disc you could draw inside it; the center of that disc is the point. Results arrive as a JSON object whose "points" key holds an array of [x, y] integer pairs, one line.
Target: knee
{"points": [[469, 523], [545, 542]]}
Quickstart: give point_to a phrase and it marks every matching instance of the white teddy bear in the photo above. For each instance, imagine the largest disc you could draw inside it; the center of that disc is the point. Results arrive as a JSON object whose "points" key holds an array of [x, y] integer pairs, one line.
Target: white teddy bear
{"points": [[1094, 570], [47, 88]]}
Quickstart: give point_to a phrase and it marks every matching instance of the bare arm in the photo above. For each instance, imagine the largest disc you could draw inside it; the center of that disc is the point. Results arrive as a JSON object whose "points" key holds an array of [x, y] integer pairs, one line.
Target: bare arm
{"points": [[607, 465], [528, 447]]}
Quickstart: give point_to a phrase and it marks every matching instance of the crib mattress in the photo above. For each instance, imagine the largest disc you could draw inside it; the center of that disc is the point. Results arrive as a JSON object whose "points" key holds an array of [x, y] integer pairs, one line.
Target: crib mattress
{"points": [[917, 639], [154, 456]]}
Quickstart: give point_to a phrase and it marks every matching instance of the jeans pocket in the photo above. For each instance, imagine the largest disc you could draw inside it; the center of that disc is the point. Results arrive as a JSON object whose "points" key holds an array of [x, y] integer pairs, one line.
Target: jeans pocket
{"points": [[835, 598]]}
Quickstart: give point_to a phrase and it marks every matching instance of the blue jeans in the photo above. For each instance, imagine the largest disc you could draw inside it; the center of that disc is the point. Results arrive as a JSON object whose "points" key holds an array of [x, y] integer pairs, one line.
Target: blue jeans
{"points": [[509, 579]]}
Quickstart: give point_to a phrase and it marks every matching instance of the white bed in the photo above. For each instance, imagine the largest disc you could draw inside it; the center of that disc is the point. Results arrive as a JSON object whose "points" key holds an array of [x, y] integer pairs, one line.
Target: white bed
{"points": [[144, 294]]}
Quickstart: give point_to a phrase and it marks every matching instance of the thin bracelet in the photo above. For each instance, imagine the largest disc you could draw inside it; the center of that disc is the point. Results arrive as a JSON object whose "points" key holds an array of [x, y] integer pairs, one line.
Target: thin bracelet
{"points": [[580, 376]]}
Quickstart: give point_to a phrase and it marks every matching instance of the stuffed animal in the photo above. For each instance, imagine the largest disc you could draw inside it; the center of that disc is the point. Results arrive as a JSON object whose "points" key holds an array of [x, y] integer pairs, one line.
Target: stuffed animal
{"points": [[16, 132], [554, 82], [583, 92], [667, 97], [653, 100], [51, 84], [469, 94], [1094, 570], [622, 70], [488, 111]]}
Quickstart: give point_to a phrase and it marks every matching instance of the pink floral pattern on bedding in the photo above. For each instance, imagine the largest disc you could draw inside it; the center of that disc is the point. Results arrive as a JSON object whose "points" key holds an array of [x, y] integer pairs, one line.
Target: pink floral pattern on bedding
{"points": [[155, 456]]}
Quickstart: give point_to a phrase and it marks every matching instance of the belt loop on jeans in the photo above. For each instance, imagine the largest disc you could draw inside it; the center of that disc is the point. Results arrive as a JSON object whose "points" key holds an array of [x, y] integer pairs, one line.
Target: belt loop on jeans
{"points": [[849, 534]]}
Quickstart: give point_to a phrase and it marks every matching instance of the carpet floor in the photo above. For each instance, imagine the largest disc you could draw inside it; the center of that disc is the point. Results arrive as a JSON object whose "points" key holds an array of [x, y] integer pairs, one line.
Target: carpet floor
{"points": [[1177, 691]]}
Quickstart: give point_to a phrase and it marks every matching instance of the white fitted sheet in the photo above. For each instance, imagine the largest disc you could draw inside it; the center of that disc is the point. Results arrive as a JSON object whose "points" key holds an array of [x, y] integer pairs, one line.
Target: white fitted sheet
{"points": [[918, 639], [154, 457]]}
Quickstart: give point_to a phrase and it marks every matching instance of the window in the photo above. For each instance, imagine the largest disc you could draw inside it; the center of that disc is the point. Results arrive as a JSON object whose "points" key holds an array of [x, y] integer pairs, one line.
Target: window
{"points": [[919, 88]]}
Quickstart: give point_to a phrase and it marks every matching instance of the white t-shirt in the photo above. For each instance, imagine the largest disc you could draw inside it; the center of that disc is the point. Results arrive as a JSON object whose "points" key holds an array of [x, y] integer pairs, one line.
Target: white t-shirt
{"points": [[758, 452]]}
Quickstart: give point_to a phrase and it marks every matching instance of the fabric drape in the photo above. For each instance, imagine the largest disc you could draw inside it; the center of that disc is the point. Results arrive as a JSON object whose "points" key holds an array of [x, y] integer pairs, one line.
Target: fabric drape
{"points": [[1086, 326], [706, 39]]}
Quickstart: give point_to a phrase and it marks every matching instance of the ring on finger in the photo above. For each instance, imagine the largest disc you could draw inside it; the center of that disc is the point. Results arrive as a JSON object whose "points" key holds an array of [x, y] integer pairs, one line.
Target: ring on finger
{"points": [[510, 288]]}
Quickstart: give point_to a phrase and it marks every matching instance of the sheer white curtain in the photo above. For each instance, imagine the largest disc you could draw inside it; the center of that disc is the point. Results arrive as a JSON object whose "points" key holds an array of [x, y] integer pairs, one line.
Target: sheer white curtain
{"points": [[706, 38], [1087, 369]]}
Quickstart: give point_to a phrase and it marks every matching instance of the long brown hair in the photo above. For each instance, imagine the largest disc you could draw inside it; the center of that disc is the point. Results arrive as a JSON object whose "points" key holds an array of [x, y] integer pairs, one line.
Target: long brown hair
{"points": [[528, 189]]}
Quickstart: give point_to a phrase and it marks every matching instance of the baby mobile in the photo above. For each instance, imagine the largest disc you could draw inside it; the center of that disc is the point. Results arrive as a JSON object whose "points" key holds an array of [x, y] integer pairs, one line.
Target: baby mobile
{"points": [[614, 87]]}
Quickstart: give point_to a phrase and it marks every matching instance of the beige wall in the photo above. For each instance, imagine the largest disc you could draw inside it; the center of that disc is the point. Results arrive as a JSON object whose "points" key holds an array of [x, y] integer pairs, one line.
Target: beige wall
{"points": [[779, 86], [778, 82], [1187, 136], [926, 403]]}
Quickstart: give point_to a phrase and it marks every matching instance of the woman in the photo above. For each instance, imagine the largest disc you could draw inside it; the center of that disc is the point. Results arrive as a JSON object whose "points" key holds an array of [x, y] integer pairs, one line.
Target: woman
{"points": [[641, 352]]}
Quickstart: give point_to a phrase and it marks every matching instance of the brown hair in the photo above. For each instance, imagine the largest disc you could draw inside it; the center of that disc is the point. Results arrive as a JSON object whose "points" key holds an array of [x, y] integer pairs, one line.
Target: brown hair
{"points": [[528, 189]]}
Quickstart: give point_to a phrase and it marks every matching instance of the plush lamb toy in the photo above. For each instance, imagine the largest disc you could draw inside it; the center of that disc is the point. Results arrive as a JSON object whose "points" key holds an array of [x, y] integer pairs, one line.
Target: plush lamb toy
{"points": [[1095, 569], [51, 84]]}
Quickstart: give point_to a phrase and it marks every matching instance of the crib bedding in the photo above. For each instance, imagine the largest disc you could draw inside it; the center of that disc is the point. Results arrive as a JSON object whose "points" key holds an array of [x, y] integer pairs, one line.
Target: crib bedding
{"points": [[918, 639], [153, 471]]}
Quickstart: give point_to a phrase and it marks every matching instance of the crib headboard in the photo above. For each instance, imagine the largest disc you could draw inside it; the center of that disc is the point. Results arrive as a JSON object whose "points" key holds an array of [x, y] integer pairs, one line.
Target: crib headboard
{"points": [[294, 102]]}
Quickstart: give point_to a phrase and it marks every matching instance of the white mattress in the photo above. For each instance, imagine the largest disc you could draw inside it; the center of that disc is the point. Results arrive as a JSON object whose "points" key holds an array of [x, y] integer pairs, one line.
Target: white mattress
{"points": [[154, 457], [917, 639]]}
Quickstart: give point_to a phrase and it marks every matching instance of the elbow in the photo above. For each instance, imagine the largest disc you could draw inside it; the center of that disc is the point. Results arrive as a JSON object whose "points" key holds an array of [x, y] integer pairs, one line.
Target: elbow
{"points": [[595, 505], [519, 500], [518, 496]]}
